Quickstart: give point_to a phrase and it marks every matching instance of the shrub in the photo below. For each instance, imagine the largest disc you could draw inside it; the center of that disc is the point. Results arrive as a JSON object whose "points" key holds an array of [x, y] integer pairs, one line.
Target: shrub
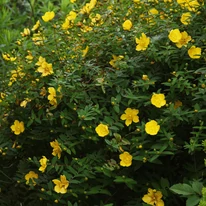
{"points": [[103, 103]]}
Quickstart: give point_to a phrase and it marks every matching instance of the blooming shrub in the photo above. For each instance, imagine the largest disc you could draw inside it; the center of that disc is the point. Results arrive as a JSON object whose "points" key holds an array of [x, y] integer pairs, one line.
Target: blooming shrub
{"points": [[103, 101]]}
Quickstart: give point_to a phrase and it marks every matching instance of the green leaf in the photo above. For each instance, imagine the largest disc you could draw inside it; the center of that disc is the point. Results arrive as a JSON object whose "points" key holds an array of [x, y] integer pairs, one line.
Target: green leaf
{"points": [[193, 200], [197, 187], [69, 203], [182, 189], [164, 182]]}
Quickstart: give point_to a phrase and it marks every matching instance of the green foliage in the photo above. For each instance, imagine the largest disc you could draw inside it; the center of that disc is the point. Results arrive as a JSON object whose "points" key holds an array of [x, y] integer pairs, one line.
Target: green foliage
{"points": [[91, 114]]}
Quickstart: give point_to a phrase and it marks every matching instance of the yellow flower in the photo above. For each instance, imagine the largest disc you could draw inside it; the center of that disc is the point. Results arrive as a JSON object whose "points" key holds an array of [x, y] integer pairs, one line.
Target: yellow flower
{"points": [[194, 52], [152, 127], [72, 1], [127, 25], [130, 116], [88, 7], [153, 11], [38, 39], [158, 100], [69, 21], [56, 148], [7, 57], [72, 15], [115, 60], [43, 163], [102, 130], [41, 61], [142, 42], [29, 57], [45, 69], [153, 197], [2, 96], [26, 32], [24, 102], [17, 127], [185, 18], [145, 77], [36, 26], [175, 35], [126, 159], [49, 15], [84, 51], [184, 39], [61, 185], [52, 96], [31, 175]]}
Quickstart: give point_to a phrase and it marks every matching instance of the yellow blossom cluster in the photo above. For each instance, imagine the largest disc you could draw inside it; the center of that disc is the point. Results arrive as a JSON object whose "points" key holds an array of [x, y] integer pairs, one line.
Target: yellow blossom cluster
{"points": [[7, 57], [16, 74], [182, 39], [179, 38]]}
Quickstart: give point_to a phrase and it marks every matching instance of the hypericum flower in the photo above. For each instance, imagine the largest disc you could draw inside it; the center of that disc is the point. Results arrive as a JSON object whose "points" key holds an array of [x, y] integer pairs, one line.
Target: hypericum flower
{"points": [[96, 19], [84, 51], [56, 148], [185, 18], [29, 57], [45, 69], [142, 42], [153, 11], [127, 25], [17, 127], [49, 15], [158, 100], [126, 159], [26, 32], [41, 61], [43, 163], [2, 96], [31, 176], [24, 102], [61, 185], [194, 52], [152, 127], [130, 116], [184, 39], [145, 77], [69, 20], [102, 130], [52, 96], [36, 26], [175, 35], [38, 39], [191, 5], [153, 197], [115, 60], [88, 7], [7, 57]]}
